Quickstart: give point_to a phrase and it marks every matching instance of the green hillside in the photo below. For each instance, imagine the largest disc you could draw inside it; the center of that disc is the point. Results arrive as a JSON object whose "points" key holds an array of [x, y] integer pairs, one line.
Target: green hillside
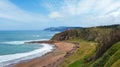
{"points": [[105, 41], [116, 64], [78, 58], [109, 57]]}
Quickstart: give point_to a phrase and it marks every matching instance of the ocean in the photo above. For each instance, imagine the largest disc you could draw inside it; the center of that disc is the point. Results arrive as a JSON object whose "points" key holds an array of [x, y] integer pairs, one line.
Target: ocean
{"points": [[14, 49]]}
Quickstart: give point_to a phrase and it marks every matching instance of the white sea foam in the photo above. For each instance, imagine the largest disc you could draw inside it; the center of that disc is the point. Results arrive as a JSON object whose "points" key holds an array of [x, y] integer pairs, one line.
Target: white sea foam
{"points": [[14, 58], [20, 42], [14, 42]]}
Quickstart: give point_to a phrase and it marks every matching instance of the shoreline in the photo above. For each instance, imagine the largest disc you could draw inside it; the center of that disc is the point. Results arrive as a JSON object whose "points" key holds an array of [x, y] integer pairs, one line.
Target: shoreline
{"points": [[27, 56], [51, 59]]}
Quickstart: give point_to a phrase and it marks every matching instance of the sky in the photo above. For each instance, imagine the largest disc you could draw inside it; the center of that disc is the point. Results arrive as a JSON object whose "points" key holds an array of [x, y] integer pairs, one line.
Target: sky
{"points": [[40, 14]]}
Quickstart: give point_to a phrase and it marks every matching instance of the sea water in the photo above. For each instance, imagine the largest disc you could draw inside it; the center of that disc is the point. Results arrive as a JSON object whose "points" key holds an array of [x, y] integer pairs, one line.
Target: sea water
{"points": [[14, 49]]}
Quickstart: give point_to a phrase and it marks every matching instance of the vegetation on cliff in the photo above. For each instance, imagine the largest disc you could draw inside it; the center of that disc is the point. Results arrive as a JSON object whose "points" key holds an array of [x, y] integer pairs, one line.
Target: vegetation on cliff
{"points": [[105, 36], [78, 58], [109, 57]]}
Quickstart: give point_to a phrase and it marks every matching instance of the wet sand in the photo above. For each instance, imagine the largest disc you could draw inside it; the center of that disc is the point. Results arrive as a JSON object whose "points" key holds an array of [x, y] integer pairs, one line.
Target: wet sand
{"points": [[51, 59]]}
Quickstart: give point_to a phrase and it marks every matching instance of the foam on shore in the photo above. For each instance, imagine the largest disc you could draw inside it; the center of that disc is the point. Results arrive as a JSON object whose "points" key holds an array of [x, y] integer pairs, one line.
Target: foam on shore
{"points": [[15, 58]]}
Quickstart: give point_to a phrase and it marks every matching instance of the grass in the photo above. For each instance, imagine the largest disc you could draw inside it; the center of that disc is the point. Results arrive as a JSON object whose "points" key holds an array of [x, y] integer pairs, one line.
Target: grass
{"points": [[109, 57], [113, 59], [77, 59], [116, 64]]}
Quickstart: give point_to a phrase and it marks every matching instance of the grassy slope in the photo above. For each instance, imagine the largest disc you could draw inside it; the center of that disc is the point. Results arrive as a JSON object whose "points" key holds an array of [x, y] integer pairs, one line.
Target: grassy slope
{"points": [[102, 35], [77, 59], [116, 64], [113, 59], [109, 57]]}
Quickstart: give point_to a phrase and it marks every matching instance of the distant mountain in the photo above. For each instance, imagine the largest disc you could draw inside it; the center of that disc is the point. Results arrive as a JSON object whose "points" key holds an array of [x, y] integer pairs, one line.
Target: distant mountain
{"points": [[61, 28]]}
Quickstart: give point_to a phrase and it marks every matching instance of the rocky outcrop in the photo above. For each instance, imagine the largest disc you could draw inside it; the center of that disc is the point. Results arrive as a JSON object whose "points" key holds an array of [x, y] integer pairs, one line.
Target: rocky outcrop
{"points": [[90, 34], [66, 35]]}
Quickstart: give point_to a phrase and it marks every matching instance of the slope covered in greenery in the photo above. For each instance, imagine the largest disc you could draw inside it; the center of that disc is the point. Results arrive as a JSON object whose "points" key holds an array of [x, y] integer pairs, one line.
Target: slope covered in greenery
{"points": [[77, 59], [116, 64], [109, 57], [107, 51]]}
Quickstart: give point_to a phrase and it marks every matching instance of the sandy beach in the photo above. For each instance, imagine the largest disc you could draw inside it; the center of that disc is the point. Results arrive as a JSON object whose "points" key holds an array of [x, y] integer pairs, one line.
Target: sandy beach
{"points": [[52, 59]]}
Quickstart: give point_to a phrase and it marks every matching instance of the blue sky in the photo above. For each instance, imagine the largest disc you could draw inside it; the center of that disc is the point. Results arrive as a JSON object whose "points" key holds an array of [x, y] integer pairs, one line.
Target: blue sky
{"points": [[39, 14]]}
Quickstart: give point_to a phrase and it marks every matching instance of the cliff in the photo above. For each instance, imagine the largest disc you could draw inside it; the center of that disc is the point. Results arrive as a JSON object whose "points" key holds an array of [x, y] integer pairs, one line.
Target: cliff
{"points": [[105, 36], [91, 34]]}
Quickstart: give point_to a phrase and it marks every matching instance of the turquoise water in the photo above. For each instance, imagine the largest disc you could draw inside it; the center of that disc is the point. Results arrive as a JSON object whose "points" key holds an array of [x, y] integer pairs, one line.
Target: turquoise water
{"points": [[6, 49], [12, 43]]}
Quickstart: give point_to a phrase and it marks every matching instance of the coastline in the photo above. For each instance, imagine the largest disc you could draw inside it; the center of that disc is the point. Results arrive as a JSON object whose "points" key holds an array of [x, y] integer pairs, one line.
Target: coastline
{"points": [[27, 56], [51, 59]]}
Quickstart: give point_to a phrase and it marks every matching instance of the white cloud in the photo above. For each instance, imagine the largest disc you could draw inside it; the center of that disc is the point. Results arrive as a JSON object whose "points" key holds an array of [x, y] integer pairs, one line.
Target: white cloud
{"points": [[96, 12], [85, 6], [78, 7], [86, 12], [55, 15], [10, 11], [115, 13], [114, 6], [102, 4]]}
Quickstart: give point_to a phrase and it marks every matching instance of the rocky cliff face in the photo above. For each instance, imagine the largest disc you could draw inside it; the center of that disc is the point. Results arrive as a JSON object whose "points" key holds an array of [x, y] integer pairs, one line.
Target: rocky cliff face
{"points": [[66, 35], [106, 36], [90, 34]]}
